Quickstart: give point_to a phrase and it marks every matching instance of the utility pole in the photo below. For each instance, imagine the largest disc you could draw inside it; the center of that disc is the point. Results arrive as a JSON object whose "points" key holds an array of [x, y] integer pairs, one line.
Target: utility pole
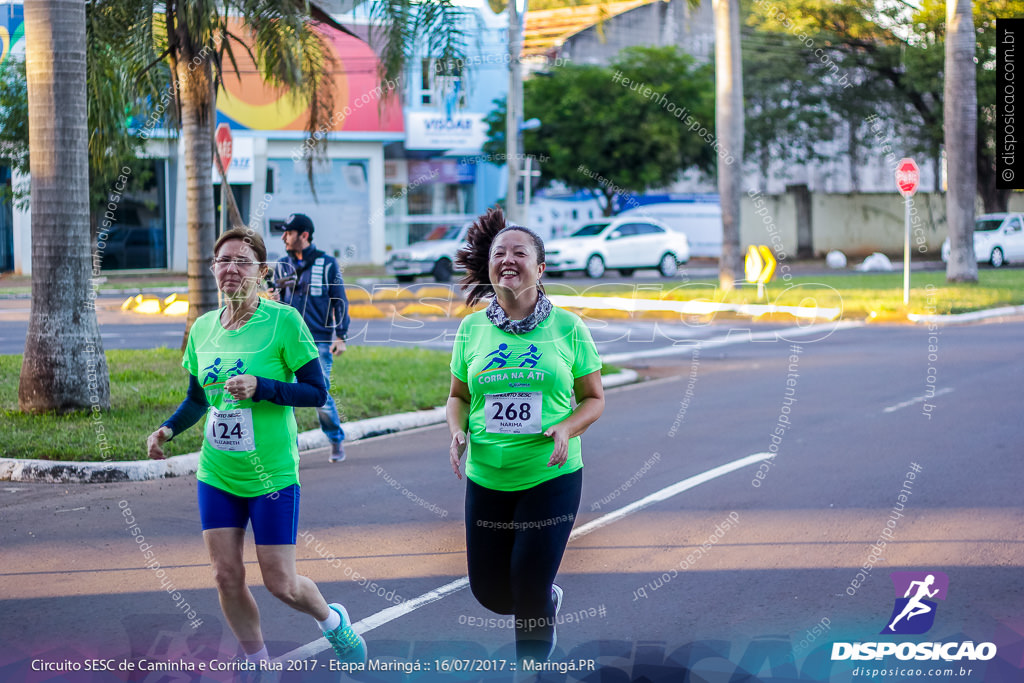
{"points": [[514, 112]]}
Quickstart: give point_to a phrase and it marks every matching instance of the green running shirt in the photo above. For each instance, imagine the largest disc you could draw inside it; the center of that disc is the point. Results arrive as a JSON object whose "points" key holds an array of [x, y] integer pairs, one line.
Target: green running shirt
{"points": [[510, 376], [273, 343]]}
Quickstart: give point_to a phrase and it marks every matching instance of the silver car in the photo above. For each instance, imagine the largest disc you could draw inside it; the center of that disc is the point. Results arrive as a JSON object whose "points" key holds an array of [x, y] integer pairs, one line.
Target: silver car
{"points": [[430, 257]]}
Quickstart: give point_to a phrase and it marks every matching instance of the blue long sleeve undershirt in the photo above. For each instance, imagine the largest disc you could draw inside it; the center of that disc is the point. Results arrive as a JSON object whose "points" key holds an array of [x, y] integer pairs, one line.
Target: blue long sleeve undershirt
{"points": [[309, 391]]}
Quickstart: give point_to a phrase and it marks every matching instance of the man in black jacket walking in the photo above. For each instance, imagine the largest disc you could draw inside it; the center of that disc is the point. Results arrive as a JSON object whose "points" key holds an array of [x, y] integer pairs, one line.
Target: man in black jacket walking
{"points": [[310, 280]]}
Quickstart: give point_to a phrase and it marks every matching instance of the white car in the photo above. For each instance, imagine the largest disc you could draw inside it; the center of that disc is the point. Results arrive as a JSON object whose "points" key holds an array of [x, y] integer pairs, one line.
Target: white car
{"points": [[998, 239], [429, 257], [625, 243]]}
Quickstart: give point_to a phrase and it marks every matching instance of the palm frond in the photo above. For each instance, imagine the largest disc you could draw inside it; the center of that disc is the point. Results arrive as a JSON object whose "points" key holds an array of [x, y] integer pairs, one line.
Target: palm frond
{"points": [[402, 29], [126, 81]]}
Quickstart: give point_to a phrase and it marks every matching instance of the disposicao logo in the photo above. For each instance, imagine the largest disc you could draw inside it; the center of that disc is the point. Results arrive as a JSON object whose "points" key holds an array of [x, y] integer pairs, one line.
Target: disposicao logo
{"points": [[913, 613]]}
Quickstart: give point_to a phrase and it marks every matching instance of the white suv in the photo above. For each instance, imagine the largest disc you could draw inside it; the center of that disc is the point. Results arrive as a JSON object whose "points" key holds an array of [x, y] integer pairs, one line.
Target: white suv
{"points": [[998, 239], [625, 243]]}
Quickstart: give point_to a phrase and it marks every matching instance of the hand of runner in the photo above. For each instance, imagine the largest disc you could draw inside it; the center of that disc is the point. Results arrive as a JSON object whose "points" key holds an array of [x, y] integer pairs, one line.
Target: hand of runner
{"points": [[155, 442], [241, 387], [560, 433], [456, 450], [337, 347]]}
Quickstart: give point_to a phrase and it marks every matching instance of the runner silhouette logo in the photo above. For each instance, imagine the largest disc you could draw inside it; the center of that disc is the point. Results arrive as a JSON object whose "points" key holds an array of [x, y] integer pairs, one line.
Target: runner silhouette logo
{"points": [[914, 610]]}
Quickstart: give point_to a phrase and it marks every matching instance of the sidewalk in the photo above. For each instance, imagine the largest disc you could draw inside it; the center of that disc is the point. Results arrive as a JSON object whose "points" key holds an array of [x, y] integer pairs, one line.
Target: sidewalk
{"points": [[15, 469]]}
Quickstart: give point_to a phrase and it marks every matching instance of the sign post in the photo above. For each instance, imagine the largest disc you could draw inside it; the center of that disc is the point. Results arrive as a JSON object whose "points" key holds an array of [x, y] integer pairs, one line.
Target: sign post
{"points": [[529, 173], [222, 138], [759, 266], [908, 177]]}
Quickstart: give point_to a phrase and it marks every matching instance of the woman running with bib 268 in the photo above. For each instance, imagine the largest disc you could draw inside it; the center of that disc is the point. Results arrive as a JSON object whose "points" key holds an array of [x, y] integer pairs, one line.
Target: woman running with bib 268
{"points": [[515, 368], [241, 360]]}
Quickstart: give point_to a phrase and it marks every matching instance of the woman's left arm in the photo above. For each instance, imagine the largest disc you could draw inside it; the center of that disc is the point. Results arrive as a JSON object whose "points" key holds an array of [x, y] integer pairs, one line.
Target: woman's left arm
{"points": [[589, 406]]}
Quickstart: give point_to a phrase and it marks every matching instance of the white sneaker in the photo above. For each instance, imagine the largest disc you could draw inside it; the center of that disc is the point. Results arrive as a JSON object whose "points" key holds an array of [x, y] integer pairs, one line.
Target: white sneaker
{"points": [[556, 594]]}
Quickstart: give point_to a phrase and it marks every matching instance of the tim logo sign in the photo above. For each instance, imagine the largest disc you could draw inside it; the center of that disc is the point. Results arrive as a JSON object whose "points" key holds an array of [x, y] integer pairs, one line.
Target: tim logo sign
{"points": [[914, 610]]}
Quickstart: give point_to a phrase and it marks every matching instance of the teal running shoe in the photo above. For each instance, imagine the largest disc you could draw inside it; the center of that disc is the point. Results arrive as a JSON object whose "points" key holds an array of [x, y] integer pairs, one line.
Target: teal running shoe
{"points": [[348, 645]]}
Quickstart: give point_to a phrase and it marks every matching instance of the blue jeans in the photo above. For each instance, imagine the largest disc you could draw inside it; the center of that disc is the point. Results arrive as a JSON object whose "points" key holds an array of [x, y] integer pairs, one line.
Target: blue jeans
{"points": [[328, 412]]}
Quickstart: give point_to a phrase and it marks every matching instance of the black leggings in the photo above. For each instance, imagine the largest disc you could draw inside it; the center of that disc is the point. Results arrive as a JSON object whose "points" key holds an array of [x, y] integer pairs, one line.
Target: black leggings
{"points": [[514, 543]]}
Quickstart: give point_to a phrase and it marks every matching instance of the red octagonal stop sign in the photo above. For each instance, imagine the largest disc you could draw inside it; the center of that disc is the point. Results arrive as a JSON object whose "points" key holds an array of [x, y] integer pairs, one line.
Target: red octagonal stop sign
{"points": [[908, 177], [223, 139]]}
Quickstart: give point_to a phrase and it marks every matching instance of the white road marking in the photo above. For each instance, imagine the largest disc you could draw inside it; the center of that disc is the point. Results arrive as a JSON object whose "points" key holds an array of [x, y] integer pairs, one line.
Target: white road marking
{"points": [[918, 399], [666, 493], [735, 336], [397, 611], [693, 307], [379, 619]]}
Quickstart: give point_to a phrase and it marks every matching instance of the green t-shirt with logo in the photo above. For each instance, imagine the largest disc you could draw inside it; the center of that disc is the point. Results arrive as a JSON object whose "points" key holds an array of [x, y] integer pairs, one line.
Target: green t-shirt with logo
{"points": [[249, 447], [520, 385]]}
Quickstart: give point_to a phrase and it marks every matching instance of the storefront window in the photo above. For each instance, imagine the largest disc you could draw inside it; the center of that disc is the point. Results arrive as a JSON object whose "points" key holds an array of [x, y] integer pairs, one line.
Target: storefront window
{"points": [[457, 198], [6, 221], [431, 197], [421, 200], [137, 238]]}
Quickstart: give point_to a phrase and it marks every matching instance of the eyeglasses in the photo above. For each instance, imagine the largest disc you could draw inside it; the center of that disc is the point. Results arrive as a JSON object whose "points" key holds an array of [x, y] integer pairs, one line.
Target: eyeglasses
{"points": [[238, 263]]}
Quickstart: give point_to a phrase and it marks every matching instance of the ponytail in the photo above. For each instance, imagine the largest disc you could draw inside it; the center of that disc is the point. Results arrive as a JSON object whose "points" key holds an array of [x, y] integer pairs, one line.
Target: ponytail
{"points": [[475, 257]]}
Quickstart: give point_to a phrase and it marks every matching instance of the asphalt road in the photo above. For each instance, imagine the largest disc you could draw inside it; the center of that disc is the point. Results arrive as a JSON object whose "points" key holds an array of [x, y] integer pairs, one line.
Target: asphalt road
{"points": [[651, 595]]}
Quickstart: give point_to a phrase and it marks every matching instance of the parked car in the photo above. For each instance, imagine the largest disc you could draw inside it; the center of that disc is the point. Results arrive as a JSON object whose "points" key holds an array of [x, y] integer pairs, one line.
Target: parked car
{"points": [[625, 243], [430, 257], [998, 239]]}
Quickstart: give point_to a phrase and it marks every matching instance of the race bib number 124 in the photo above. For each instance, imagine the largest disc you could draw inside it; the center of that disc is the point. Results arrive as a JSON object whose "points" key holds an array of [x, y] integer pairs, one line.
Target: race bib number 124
{"points": [[230, 430]]}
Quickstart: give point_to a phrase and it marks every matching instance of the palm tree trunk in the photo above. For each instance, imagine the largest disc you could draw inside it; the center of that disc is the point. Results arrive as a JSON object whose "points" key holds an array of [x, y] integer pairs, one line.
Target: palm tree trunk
{"points": [[961, 125], [198, 105], [729, 129], [64, 367]]}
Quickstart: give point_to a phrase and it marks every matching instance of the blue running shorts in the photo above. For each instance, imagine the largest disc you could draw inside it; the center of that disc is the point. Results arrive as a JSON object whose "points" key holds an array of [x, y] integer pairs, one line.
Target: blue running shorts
{"points": [[275, 516]]}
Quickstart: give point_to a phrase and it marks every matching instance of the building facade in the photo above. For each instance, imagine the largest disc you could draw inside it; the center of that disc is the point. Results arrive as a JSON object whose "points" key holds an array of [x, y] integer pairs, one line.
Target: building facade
{"points": [[400, 160], [437, 176]]}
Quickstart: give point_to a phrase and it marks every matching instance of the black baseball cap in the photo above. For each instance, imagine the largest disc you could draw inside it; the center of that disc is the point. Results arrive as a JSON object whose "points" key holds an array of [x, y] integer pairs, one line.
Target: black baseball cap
{"points": [[298, 221]]}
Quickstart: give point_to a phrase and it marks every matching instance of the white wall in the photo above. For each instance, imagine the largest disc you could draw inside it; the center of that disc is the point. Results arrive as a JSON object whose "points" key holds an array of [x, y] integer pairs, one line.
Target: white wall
{"points": [[264, 149], [371, 151], [856, 224]]}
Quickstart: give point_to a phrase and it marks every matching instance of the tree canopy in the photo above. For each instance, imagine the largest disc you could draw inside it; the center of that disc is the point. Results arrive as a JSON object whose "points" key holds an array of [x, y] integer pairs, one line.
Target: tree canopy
{"points": [[892, 56], [633, 125], [114, 108]]}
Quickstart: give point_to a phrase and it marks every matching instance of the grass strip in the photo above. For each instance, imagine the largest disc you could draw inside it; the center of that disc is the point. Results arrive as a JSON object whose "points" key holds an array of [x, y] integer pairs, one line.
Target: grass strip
{"points": [[146, 387]]}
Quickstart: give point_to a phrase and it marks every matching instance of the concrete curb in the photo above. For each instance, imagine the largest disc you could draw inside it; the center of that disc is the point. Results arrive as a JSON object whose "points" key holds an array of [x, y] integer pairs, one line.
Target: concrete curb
{"points": [[14, 469], [960, 318]]}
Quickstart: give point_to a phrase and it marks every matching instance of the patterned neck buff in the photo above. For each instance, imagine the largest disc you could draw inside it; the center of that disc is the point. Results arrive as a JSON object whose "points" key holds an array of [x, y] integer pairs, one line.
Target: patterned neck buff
{"points": [[496, 314]]}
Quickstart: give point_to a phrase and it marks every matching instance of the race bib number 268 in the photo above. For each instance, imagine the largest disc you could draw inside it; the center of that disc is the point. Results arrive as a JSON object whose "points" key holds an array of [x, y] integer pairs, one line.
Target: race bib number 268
{"points": [[514, 413]]}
